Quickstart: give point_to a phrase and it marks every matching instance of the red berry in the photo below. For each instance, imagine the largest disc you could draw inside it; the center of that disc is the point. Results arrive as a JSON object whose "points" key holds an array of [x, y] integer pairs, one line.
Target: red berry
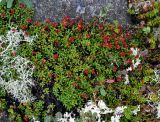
{"points": [[57, 31], [119, 78], [3, 15], [25, 118], [137, 56], [108, 38], [93, 72], [37, 23], [86, 72], [55, 56], [80, 26], [122, 54], [50, 75], [21, 5], [29, 20], [54, 24], [129, 61], [71, 39], [114, 69], [34, 52], [88, 36], [140, 67], [12, 11], [100, 26], [106, 44], [117, 47], [13, 53], [45, 27], [43, 61], [23, 27], [64, 22], [104, 38], [110, 46], [54, 75], [47, 21]]}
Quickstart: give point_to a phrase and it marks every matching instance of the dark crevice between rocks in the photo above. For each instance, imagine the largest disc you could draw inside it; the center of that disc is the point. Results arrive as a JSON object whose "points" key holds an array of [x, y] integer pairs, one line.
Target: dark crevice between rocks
{"points": [[49, 98], [10, 102]]}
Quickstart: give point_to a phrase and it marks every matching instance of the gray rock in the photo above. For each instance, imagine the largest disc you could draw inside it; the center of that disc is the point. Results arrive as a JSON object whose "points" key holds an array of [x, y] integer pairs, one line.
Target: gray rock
{"points": [[3, 116], [158, 72], [56, 9]]}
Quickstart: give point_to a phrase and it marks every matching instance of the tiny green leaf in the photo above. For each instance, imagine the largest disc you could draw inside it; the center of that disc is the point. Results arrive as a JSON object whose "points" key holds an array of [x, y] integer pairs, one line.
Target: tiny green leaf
{"points": [[127, 113], [47, 119], [28, 3], [2, 2], [147, 30], [9, 3], [103, 92]]}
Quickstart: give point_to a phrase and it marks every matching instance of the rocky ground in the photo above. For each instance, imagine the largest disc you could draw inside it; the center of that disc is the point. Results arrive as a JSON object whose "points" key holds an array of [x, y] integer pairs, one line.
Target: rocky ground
{"points": [[56, 9]]}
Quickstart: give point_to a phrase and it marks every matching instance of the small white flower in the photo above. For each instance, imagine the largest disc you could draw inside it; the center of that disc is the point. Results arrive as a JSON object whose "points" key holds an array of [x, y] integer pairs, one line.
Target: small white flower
{"points": [[67, 118], [115, 118], [101, 104], [135, 64], [134, 51], [104, 109], [119, 110], [136, 110], [129, 69], [127, 80], [158, 111], [118, 113], [34, 120], [157, 76]]}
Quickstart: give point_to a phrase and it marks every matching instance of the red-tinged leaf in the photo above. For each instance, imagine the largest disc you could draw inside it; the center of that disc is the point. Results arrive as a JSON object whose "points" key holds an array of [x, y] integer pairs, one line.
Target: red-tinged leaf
{"points": [[110, 80]]}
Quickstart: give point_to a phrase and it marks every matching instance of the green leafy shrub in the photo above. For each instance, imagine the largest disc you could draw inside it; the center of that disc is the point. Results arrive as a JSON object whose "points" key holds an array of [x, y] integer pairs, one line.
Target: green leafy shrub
{"points": [[82, 60], [19, 15], [147, 15], [10, 3], [75, 62]]}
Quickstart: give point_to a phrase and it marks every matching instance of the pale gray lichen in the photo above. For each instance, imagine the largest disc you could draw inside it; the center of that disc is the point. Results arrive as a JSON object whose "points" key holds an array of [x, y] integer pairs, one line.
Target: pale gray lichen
{"points": [[15, 72]]}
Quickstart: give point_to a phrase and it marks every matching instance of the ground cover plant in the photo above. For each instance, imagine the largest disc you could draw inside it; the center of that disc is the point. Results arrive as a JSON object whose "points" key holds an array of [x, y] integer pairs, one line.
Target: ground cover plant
{"points": [[97, 70], [146, 14]]}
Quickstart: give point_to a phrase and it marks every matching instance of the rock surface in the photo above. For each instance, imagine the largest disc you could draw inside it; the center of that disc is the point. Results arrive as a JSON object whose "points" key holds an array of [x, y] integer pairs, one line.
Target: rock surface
{"points": [[3, 116], [56, 9]]}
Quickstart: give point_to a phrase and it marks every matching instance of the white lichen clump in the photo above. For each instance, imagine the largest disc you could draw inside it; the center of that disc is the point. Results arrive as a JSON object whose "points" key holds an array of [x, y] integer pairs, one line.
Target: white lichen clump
{"points": [[126, 79], [90, 106], [136, 110], [156, 77], [67, 117], [99, 108], [15, 72], [158, 111], [118, 113]]}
